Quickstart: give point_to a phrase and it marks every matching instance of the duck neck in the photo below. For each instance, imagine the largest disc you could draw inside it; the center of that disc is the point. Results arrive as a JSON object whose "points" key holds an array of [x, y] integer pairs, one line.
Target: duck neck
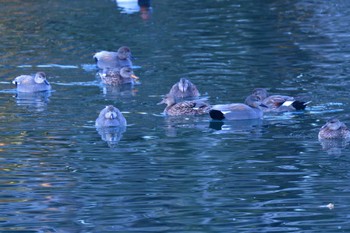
{"points": [[169, 106]]}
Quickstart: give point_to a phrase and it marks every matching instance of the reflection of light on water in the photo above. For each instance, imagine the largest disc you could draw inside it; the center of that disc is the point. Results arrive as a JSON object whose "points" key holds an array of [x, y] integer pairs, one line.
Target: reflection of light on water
{"points": [[58, 66], [331, 107], [128, 6], [91, 83], [150, 137], [89, 67], [50, 66]]}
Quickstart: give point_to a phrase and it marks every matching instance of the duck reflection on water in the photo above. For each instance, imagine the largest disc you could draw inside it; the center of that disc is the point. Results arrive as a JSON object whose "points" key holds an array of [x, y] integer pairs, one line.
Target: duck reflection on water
{"points": [[35, 101]]}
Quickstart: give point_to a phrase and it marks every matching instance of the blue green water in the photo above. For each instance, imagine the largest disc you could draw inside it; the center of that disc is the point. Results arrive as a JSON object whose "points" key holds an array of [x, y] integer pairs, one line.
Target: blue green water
{"points": [[166, 174]]}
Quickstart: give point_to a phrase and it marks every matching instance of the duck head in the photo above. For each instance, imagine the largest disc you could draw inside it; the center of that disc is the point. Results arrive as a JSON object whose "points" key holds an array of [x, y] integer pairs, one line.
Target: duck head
{"points": [[127, 72], [124, 53]]}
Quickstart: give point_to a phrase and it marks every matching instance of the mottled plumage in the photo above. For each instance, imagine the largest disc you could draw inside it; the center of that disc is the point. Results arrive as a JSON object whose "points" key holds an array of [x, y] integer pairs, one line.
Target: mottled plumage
{"points": [[32, 83], [278, 103], [334, 129], [184, 89], [109, 60], [110, 116], [238, 111], [190, 107], [117, 76]]}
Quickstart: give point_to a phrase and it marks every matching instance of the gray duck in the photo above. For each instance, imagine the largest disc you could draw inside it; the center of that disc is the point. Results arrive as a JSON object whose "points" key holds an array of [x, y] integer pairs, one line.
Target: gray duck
{"points": [[108, 60], [32, 83], [110, 116], [250, 109]]}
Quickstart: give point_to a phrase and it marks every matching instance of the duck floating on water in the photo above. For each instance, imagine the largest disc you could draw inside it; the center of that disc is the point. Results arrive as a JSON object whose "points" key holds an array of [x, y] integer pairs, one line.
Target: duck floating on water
{"points": [[279, 103], [250, 109], [116, 76], [110, 116], [32, 83], [189, 107], [109, 60], [334, 129], [184, 88]]}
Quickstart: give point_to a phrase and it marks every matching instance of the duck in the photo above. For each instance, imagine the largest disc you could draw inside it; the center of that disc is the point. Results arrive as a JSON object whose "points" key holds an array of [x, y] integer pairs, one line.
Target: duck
{"points": [[110, 116], [116, 76], [187, 108], [107, 59], [32, 83], [279, 103], [250, 109], [334, 129], [184, 88]]}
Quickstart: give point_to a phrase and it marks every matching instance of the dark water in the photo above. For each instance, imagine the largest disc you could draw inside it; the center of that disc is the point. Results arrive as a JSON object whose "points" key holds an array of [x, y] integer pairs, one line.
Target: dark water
{"points": [[174, 174]]}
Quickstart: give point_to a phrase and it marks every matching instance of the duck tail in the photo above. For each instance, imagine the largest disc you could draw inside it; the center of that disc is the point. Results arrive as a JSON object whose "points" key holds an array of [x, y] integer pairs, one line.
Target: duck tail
{"points": [[300, 105], [216, 114]]}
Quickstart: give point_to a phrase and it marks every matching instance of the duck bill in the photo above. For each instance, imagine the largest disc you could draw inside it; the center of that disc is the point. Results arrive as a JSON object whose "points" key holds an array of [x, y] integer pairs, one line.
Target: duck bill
{"points": [[161, 102], [134, 77]]}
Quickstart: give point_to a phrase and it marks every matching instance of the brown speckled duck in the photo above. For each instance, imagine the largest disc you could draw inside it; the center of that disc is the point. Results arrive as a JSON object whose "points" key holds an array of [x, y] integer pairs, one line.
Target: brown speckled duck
{"points": [[334, 129], [115, 77], [184, 89], [190, 107], [109, 60], [278, 103]]}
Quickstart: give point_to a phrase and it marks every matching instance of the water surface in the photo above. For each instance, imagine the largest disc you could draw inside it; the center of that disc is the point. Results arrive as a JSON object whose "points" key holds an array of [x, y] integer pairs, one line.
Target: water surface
{"points": [[183, 174]]}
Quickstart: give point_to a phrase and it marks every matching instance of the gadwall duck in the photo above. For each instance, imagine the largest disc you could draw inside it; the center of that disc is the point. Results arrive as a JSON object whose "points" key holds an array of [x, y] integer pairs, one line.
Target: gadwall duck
{"points": [[279, 103], [116, 76], [189, 107], [110, 116], [238, 111], [108, 60], [32, 83], [334, 129], [184, 89]]}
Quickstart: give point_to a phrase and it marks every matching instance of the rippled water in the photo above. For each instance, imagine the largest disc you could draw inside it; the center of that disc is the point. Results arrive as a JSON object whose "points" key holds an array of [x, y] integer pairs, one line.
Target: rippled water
{"points": [[184, 174]]}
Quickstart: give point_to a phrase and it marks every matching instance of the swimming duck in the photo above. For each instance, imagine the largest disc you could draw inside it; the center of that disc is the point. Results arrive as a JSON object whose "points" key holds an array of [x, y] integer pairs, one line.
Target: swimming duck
{"points": [[190, 107], [279, 103], [334, 129], [107, 60], [118, 76], [32, 83], [184, 89], [110, 116], [238, 111]]}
